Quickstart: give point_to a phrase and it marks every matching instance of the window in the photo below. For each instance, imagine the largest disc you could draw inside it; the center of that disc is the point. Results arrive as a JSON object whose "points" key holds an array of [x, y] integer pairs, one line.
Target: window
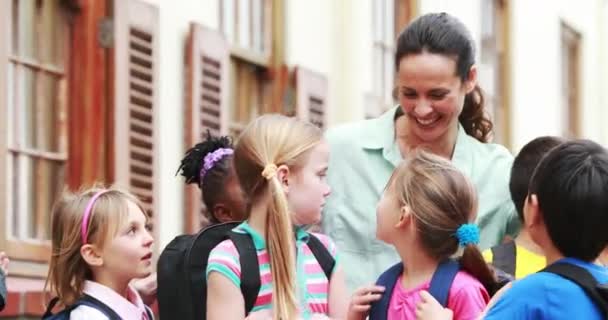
{"points": [[389, 17], [570, 82], [493, 70], [246, 24], [33, 70]]}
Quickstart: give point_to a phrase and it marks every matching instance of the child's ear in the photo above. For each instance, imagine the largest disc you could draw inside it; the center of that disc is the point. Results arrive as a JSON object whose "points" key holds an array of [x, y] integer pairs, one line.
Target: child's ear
{"points": [[405, 216], [283, 174], [222, 213], [532, 215], [91, 255]]}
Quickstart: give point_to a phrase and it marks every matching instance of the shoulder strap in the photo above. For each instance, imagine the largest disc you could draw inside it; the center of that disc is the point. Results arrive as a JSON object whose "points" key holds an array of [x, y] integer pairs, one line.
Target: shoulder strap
{"points": [[323, 256], [250, 274], [49, 309], [442, 280], [379, 309], [504, 257], [584, 279], [89, 301]]}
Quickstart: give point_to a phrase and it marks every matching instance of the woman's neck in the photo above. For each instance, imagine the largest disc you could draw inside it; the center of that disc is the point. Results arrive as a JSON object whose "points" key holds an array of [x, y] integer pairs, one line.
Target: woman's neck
{"points": [[407, 141], [418, 266]]}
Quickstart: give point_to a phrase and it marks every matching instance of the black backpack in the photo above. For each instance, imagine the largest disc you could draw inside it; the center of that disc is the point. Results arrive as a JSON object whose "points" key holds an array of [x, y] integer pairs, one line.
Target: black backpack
{"points": [[181, 270], [85, 300], [596, 291], [504, 257]]}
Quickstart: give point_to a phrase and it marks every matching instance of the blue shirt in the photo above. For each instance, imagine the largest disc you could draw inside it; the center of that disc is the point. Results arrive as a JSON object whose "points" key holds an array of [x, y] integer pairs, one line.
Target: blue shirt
{"points": [[364, 154], [546, 295]]}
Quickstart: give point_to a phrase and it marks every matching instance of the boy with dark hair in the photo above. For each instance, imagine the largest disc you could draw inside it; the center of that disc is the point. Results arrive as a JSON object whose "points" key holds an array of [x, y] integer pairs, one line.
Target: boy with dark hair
{"points": [[566, 215], [522, 257]]}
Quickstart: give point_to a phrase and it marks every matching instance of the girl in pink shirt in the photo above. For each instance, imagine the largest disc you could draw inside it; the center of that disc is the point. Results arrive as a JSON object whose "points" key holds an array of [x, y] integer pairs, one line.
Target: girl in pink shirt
{"points": [[100, 242], [427, 213]]}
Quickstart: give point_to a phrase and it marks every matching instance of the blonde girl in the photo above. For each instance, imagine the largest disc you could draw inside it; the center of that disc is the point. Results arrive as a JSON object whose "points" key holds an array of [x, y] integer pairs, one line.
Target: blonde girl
{"points": [[281, 164], [100, 242]]}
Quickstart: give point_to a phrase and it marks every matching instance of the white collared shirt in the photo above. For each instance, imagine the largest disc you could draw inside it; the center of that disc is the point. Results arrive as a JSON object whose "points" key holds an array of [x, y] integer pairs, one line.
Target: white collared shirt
{"points": [[131, 308]]}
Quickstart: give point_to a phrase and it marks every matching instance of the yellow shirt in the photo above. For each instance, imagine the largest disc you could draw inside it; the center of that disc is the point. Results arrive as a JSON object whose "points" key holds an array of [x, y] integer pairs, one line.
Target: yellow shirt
{"points": [[526, 261]]}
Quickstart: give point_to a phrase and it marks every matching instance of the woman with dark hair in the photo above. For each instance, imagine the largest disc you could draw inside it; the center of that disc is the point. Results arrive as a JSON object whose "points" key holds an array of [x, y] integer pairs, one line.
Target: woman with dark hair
{"points": [[441, 110]]}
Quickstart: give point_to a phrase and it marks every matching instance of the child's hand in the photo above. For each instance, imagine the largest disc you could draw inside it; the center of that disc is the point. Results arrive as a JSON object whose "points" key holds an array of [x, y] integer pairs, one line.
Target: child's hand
{"points": [[146, 287], [4, 263], [429, 308], [260, 315], [361, 301]]}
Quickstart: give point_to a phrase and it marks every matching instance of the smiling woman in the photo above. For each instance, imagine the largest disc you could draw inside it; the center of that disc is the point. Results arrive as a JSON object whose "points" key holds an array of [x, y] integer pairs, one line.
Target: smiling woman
{"points": [[441, 110]]}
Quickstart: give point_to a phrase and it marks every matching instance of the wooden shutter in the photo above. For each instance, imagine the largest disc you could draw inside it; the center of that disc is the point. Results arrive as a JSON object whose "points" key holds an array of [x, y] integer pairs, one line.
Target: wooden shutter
{"points": [[136, 97], [207, 67], [311, 96]]}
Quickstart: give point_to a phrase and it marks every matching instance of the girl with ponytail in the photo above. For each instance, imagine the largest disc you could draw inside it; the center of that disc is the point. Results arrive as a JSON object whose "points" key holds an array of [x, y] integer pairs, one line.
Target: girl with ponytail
{"points": [[427, 214], [281, 164]]}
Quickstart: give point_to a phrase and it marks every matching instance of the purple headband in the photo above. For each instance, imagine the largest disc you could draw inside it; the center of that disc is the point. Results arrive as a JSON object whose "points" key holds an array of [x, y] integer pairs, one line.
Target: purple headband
{"points": [[212, 158], [87, 214]]}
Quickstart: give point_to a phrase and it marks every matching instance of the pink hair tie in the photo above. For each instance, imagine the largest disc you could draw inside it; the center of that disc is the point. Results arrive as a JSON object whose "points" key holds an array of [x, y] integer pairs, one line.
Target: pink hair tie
{"points": [[87, 214]]}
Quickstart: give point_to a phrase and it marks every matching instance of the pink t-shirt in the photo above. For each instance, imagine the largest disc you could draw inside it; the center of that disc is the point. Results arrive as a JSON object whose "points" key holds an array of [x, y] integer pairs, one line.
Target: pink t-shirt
{"points": [[467, 299]]}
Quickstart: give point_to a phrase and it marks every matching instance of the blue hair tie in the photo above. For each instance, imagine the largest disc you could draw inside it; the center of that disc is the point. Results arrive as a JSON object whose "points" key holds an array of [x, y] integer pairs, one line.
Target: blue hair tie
{"points": [[467, 233]]}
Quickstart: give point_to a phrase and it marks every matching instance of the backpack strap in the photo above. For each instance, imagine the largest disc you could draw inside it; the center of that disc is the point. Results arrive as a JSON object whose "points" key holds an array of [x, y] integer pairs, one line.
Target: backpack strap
{"points": [[379, 309], [504, 257], [49, 309], [323, 256], [85, 300], [250, 268], [89, 301], [584, 279], [442, 280]]}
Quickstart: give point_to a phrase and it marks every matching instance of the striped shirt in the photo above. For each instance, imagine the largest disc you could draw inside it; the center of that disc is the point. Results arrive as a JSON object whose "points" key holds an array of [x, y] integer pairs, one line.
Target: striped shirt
{"points": [[312, 284]]}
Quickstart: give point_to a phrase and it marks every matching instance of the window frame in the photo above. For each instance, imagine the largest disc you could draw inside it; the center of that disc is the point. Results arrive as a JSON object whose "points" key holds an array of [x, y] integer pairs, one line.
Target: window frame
{"points": [[29, 250]]}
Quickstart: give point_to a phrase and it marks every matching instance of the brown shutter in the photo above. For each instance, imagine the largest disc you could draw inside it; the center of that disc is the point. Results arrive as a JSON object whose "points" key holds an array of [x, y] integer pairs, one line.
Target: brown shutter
{"points": [[207, 67], [136, 97], [311, 96]]}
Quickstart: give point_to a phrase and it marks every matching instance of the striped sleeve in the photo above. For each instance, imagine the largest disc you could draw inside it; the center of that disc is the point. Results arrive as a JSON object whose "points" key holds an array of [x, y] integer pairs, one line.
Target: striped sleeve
{"points": [[224, 259], [330, 245]]}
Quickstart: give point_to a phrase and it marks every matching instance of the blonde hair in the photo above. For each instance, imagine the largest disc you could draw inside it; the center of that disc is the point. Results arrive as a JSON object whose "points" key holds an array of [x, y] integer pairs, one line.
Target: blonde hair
{"points": [[441, 199], [67, 268], [271, 141]]}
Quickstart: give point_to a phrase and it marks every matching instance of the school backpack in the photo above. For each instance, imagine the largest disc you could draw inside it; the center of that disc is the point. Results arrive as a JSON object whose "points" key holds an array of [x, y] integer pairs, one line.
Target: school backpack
{"points": [[504, 257], [596, 291], [85, 300], [440, 285], [181, 270]]}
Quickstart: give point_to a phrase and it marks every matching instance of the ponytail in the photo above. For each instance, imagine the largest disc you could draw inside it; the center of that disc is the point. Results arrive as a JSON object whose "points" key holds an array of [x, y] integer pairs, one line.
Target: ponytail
{"points": [[472, 262], [267, 142], [281, 247], [473, 117]]}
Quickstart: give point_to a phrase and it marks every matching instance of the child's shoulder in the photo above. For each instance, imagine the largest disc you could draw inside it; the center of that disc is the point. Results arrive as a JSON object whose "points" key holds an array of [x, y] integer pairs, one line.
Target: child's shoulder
{"points": [[326, 241], [464, 283], [87, 313], [224, 252]]}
